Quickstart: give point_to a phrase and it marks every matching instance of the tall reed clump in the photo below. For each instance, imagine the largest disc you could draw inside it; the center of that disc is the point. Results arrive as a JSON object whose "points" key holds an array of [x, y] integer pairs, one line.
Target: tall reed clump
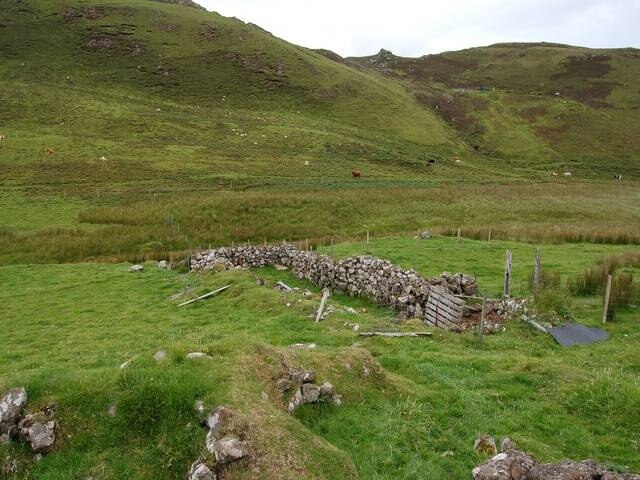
{"points": [[593, 281], [552, 301]]}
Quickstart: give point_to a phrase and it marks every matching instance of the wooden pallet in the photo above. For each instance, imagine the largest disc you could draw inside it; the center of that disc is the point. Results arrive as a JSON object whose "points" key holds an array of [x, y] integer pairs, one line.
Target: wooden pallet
{"points": [[443, 309]]}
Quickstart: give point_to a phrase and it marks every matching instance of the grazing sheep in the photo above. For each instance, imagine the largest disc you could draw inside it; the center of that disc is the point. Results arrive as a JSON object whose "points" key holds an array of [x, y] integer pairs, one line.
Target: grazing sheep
{"points": [[356, 173], [103, 158], [48, 151], [567, 174], [617, 177], [554, 174], [431, 161], [1, 138], [306, 163]]}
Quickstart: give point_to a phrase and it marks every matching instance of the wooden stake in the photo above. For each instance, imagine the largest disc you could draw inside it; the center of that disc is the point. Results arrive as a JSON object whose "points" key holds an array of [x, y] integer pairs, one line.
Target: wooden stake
{"points": [[325, 295], [489, 239], [484, 305], [331, 251], [459, 232], [537, 272], [607, 293], [507, 275]]}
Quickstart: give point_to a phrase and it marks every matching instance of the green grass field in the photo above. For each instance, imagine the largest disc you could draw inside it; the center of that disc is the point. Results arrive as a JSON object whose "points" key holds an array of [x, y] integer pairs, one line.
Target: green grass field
{"points": [[140, 130], [67, 328]]}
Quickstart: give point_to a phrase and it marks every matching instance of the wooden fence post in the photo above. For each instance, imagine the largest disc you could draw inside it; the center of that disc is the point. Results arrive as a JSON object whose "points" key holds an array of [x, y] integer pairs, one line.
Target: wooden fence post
{"points": [[507, 275], [484, 306], [459, 233], [331, 251], [607, 293], [489, 239], [537, 272]]}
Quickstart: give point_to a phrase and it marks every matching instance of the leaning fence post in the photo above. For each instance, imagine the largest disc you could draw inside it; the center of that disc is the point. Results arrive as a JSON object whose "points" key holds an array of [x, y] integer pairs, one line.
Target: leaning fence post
{"points": [[607, 293], [537, 272], [507, 275]]}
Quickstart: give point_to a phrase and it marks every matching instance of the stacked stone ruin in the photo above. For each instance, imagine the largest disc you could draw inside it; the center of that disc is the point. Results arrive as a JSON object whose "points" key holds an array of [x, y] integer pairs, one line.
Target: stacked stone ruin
{"points": [[379, 280]]}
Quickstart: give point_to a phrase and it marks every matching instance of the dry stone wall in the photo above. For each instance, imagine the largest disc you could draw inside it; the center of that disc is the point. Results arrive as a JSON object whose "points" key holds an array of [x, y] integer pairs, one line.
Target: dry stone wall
{"points": [[379, 280]]}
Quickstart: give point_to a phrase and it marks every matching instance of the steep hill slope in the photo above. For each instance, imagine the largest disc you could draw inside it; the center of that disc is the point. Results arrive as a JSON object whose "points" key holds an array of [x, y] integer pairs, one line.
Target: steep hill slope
{"points": [[162, 90], [127, 122], [523, 104]]}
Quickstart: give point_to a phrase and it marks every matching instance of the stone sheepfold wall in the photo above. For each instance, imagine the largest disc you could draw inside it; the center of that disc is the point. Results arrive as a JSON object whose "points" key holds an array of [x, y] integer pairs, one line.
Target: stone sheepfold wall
{"points": [[379, 280]]}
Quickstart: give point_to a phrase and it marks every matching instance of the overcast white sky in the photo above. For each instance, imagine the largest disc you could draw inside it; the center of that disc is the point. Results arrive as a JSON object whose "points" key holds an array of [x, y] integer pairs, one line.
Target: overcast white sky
{"points": [[414, 27]]}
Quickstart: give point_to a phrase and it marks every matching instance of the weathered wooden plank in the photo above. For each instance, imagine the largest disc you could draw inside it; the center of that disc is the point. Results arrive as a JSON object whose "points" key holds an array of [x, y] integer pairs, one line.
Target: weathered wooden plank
{"points": [[448, 299], [444, 309], [395, 334], [202, 297], [439, 320]]}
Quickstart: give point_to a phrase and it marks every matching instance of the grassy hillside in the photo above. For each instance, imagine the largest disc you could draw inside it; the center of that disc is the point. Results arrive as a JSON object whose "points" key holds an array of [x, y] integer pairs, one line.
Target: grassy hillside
{"points": [[412, 408], [533, 105], [140, 127]]}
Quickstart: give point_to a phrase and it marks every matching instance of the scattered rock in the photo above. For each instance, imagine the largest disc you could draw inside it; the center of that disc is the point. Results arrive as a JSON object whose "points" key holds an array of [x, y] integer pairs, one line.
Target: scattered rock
{"points": [[302, 376], [160, 356], [199, 471], [425, 235], [515, 464], [485, 444], [304, 346], [112, 410], [310, 393], [164, 265], [284, 384], [511, 465], [229, 449], [136, 268], [11, 407], [198, 355], [42, 436], [326, 390], [507, 444], [217, 418], [9, 465], [198, 406], [295, 401], [125, 364]]}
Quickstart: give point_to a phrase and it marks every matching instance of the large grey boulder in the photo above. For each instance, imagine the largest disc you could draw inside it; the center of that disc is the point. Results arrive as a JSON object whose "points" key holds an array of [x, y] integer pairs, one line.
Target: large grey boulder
{"points": [[11, 407], [199, 471], [164, 265], [229, 449], [136, 268]]}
